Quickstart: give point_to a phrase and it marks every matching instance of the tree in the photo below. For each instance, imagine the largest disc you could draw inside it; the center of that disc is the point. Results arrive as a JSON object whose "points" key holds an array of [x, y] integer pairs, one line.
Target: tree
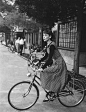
{"points": [[15, 18], [4, 6], [1, 21], [50, 11], [81, 8]]}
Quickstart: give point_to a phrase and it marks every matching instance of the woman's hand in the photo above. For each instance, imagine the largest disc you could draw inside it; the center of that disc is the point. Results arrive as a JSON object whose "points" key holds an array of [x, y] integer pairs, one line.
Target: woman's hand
{"points": [[40, 69], [36, 63]]}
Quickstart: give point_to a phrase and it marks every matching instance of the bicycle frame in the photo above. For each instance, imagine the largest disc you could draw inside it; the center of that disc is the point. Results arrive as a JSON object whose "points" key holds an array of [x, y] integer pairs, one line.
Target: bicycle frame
{"points": [[36, 80], [60, 93], [51, 96], [35, 77], [11, 48]]}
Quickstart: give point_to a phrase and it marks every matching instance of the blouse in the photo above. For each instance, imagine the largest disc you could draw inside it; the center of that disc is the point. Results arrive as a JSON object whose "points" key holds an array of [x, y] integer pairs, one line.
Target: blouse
{"points": [[48, 57]]}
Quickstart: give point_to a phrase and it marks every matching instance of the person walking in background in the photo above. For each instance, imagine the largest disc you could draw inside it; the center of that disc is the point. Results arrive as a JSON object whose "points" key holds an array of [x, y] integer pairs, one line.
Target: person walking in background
{"points": [[11, 42], [17, 44], [24, 45], [21, 45]]}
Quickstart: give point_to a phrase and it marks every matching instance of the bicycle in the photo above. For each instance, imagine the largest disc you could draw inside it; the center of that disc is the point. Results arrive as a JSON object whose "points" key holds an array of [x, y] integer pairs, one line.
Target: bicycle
{"points": [[11, 48], [24, 95]]}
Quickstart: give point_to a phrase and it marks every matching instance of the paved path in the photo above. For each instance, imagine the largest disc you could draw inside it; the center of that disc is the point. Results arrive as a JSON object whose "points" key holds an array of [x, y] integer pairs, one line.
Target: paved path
{"points": [[12, 70]]}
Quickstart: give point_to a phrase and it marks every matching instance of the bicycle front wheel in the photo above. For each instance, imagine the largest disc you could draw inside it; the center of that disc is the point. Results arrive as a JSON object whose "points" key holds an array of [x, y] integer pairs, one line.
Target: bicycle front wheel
{"points": [[23, 95], [10, 49], [74, 95]]}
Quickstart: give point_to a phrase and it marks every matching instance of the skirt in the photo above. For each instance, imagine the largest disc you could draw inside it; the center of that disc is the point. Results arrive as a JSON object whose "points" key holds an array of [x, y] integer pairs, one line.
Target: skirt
{"points": [[53, 78]]}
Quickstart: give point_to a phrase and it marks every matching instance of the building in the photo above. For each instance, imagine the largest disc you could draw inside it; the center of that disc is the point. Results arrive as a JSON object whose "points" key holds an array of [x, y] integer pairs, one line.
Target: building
{"points": [[65, 38]]}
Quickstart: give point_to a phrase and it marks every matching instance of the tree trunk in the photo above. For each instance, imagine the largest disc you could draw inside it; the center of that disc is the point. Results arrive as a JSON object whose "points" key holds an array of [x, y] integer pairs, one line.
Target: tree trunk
{"points": [[78, 38]]}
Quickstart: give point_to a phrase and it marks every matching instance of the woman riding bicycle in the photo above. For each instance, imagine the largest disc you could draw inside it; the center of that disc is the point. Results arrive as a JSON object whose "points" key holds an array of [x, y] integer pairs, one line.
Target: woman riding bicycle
{"points": [[53, 75], [23, 95]]}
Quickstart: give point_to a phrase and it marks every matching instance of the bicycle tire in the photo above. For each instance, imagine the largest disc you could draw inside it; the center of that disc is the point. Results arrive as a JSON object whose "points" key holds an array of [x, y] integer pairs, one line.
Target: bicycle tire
{"points": [[72, 100], [11, 50], [16, 91]]}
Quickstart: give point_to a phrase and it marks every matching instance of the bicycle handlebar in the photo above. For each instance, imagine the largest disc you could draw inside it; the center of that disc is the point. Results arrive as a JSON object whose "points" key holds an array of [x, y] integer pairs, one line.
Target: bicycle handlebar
{"points": [[36, 67]]}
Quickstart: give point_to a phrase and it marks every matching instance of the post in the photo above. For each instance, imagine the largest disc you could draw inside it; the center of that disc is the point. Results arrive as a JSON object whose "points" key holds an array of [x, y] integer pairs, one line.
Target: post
{"points": [[78, 38]]}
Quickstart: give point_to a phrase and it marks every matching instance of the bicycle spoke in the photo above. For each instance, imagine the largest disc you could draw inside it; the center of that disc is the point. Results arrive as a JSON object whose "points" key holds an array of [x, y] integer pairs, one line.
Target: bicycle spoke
{"points": [[77, 96], [21, 98]]}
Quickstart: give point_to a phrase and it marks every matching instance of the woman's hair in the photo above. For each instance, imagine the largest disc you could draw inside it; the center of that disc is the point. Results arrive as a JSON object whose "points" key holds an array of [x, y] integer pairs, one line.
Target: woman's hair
{"points": [[49, 32]]}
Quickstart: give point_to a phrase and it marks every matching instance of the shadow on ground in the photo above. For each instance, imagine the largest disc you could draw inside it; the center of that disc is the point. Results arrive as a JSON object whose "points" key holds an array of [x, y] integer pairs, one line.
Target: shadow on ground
{"points": [[25, 55]]}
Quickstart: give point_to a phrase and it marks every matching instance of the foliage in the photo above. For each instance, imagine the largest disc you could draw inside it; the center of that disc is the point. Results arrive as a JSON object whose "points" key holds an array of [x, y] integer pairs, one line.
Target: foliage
{"points": [[1, 21], [50, 11], [5, 7], [11, 17], [14, 18]]}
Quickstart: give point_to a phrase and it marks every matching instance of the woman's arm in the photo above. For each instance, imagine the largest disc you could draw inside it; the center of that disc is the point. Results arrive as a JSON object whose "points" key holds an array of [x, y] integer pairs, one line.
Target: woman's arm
{"points": [[49, 60]]}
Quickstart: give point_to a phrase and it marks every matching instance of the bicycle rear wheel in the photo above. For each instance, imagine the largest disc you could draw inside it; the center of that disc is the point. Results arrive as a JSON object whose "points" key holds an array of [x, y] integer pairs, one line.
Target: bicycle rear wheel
{"points": [[74, 95], [10, 49], [20, 98]]}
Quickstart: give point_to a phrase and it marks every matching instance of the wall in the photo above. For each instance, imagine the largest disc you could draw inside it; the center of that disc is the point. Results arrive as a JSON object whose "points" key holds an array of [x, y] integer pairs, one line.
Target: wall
{"points": [[68, 56], [83, 43], [82, 59]]}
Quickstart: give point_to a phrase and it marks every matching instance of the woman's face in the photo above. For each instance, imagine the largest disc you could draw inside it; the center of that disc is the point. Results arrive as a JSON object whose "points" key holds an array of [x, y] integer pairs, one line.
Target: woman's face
{"points": [[46, 37]]}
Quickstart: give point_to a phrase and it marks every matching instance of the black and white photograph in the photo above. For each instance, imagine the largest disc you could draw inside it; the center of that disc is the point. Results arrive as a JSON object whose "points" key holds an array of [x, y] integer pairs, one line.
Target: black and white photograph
{"points": [[42, 55]]}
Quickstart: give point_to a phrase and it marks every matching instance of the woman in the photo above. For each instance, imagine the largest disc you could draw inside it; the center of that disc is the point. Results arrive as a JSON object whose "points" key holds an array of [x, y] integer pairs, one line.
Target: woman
{"points": [[17, 44], [53, 76], [21, 45]]}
